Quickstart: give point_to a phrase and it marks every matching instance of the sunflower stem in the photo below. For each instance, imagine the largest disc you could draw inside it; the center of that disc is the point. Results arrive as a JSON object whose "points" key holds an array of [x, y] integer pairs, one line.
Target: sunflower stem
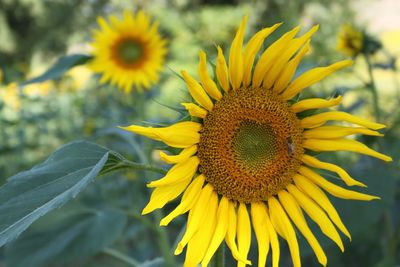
{"points": [[219, 257], [120, 256], [145, 167], [372, 87], [127, 164]]}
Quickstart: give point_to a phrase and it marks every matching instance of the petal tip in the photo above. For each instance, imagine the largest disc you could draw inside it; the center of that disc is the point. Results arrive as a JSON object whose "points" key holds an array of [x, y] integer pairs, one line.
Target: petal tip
{"points": [[164, 222], [184, 73], [388, 159], [178, 249], [202, 54], [146, 210], [150, 185]]}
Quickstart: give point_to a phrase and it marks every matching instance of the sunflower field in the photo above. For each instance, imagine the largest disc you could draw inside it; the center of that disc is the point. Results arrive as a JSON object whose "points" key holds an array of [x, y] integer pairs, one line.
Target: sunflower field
{"points": [[199, 133]]}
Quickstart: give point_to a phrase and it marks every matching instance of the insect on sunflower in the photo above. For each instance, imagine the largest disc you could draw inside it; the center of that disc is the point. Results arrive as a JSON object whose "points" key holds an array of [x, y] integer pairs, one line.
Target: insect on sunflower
{"points": [[129, 51], [244, 162]]}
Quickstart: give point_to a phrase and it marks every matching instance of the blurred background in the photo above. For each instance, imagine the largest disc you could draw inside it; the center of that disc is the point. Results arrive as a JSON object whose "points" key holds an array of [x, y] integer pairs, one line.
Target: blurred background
{"points": [[38, 118]]}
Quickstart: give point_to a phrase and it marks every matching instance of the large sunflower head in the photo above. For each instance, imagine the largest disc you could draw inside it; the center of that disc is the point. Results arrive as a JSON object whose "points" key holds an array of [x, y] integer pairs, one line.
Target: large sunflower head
{"points": [[128, 51], [245, 161]]}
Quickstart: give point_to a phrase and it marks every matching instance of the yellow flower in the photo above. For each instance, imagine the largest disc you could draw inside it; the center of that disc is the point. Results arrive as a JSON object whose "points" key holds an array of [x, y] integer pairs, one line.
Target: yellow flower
{"points": [[129, 51], [10, 96], [244, 158], [350, 40]]}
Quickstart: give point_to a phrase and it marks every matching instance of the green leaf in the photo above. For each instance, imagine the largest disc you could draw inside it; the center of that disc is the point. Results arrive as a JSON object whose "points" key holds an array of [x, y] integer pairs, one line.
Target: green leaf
{"points": [[65, 235], [62, 65], [31, 194]]}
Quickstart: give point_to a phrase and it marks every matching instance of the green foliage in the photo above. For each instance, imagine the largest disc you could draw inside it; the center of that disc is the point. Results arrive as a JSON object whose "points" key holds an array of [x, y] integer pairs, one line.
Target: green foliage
{"points": [[31, 194], [73, 232], [59, 68]]}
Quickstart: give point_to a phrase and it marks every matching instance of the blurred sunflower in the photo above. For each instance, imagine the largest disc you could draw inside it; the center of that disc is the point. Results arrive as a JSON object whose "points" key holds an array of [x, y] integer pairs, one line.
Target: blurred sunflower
{"points": [[129, 51], [9, 95], [249, 146], [350, 41]]}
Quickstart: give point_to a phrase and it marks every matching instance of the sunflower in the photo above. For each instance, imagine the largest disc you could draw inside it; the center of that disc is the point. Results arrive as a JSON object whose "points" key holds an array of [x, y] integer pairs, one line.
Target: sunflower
{"points": [[245, 162], [129, 51], [350, 40]]}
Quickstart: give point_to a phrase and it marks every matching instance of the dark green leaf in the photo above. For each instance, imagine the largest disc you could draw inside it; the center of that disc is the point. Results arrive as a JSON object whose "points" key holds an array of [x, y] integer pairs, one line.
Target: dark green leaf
{"points": [[60, 67], [66, 234], [31, 194]]}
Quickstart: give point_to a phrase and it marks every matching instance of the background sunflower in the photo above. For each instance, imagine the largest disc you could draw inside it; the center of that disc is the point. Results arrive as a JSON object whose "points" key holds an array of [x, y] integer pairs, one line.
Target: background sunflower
{"points": [[128, 52]]}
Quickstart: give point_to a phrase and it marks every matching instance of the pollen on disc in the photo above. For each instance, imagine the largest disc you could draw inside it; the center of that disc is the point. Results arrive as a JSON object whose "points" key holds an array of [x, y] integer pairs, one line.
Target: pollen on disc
{"points": [[250, 145]]}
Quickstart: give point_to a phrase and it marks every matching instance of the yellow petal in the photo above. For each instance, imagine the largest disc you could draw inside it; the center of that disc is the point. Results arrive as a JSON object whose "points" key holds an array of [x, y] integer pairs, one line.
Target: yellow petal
{"points": [[251, 51], [316, 214], [274, 241], [343, 144], [314, 162], [201, 240], [180, 172], [315, 193], [258, 217], [295, 213], [236, 57], [282, 60], [313, 76], [162, 195], [315, 103], [208, 84], [184, 155], [319, 119], [188, 199], [222, 71], [243, 232], [220, 230], [269, 56], [194, 110], [334, 132], [333, 189], [181, 134], [231, 235], [197, 92], [196, 216], [103, 24], [288, 72], [279, 217]]}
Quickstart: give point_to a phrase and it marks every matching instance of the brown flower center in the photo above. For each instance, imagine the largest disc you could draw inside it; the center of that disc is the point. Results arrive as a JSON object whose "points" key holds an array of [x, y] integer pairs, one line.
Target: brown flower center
{"points": [[129, 52], [250, 145]]}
